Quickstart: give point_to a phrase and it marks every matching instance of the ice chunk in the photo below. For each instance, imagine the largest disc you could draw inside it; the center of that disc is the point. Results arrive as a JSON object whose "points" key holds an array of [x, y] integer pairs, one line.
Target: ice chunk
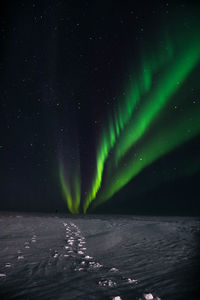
{"points": [[7, 265], [117, 298], [109, 283], [83, 249], [2, 275], [95, 265], [114, 270], [88, 257], [79, 269], [148, 296], [70, 240], [20, 257], [129, 280]]}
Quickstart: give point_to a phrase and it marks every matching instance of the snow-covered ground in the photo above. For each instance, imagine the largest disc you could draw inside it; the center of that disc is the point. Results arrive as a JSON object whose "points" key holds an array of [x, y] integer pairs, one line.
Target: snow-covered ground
{"points": [[98, 257]]}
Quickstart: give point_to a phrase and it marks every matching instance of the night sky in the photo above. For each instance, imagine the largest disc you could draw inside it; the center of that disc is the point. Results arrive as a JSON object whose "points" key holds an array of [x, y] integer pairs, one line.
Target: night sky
{"points": [[100, 106]]}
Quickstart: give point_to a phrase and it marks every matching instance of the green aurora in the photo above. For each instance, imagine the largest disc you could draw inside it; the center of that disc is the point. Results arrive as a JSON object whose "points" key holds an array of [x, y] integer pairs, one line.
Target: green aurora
{"points": [[142, 128], [69, 170], [71, 191]]}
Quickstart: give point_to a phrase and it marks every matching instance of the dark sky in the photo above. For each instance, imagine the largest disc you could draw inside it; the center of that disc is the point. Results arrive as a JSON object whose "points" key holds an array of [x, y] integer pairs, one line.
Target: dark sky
{"points": [[65, 67]]}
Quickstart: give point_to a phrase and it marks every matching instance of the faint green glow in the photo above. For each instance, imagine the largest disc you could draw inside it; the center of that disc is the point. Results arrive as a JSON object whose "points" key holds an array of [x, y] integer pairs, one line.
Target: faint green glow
{"points": [[71, 191]]}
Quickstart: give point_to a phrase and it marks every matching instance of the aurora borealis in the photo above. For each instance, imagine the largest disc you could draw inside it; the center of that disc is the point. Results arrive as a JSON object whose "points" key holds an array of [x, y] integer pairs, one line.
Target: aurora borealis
{"points": [[156, 147], [101, 100], [140, 129]]}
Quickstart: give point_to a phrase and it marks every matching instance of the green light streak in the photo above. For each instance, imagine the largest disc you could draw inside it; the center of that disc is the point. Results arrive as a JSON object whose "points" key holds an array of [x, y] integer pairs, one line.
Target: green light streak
{"points": [[71, 192], [107, 142], [66, 190], [72, 199]]}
